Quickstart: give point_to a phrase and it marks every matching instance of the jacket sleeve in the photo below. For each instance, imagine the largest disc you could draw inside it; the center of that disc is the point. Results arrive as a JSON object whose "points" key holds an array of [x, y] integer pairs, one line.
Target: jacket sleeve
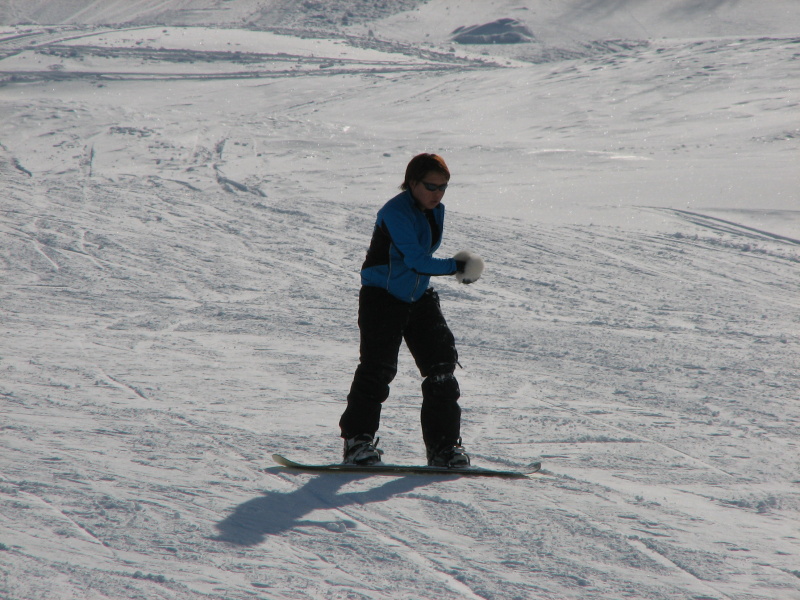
{"points": [[415, 256]]}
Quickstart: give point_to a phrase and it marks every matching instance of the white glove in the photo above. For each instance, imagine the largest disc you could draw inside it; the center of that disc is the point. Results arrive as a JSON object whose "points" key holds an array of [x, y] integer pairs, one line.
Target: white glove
{"points": [[473, 267]]}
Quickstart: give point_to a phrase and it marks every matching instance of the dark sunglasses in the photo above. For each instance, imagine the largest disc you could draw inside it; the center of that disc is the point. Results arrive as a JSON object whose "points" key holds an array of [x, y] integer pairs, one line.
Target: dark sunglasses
{"points": [[432, 187]]}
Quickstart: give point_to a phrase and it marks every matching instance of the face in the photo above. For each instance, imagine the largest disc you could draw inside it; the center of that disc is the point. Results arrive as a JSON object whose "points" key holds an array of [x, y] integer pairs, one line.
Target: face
{"points": [[425, 198]]}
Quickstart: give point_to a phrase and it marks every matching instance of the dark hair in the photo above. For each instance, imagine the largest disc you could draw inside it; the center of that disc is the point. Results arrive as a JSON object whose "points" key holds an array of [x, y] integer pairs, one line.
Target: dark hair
{"points": [[421, 165]]}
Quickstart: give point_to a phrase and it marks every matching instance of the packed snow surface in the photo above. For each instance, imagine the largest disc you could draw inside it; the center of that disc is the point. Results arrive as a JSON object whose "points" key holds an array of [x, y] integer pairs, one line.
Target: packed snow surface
{"points": [[188, 190]]}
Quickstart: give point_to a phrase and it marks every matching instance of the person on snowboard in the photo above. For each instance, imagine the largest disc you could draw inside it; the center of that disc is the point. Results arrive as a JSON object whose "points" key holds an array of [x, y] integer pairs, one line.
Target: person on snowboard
{"points": [[396, 304]]}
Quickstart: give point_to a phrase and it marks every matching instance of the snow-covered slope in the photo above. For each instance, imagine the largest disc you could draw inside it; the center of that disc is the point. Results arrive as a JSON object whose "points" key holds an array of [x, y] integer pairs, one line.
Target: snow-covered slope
{"points": [[184, 213]]}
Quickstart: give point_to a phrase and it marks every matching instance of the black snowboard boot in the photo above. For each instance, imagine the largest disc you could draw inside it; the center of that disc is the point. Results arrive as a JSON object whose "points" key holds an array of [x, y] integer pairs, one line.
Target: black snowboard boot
{"points": [[361, 450], [448, 455]]}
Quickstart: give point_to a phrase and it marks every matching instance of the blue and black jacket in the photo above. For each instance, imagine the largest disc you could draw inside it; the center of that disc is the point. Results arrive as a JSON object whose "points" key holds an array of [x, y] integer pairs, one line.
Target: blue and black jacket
{"points": [[400, 256]]}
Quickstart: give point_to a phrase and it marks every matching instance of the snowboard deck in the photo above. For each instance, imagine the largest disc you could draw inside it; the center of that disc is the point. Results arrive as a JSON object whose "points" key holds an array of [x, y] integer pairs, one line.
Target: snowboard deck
{"points": [[386, 469]]}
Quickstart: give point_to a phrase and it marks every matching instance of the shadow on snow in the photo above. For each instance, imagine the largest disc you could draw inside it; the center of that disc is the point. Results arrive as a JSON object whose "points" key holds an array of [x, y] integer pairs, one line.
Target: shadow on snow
{"points": [[277, 512]]}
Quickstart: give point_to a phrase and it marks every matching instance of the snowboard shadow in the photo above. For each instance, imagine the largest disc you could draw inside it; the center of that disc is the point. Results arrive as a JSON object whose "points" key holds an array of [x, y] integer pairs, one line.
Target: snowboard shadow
{"points": [[276, 512]]}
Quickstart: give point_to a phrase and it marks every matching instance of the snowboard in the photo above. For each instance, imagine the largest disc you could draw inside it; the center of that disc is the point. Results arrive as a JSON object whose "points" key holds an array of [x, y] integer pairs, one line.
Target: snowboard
{"points": [[384, 469]]}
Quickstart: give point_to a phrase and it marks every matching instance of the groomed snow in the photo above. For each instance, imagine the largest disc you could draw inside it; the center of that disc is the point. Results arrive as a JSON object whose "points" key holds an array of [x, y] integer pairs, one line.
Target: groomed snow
{"points": [[187, 193]]}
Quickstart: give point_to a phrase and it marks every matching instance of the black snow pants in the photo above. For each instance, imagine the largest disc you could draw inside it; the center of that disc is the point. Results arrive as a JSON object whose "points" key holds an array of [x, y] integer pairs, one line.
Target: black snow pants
{"points": [[384, 322]]}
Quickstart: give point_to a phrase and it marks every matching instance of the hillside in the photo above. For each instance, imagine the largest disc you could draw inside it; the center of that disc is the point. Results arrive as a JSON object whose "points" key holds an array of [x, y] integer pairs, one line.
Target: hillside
{"points": [[187, 196]]}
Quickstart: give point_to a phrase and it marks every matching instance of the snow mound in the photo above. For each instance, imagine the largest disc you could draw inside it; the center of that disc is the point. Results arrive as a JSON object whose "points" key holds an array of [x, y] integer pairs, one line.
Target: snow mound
{"points": [[502, 31]]}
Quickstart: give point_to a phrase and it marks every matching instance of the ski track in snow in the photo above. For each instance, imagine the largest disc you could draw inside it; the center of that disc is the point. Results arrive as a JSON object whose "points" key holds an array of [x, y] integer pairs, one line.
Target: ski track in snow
{"points": [[178, 283]]}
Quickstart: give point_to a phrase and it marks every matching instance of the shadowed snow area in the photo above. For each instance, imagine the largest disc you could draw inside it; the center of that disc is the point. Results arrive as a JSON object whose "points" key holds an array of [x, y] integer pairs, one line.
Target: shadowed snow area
{"points": [[502, 31], [187, 191]]}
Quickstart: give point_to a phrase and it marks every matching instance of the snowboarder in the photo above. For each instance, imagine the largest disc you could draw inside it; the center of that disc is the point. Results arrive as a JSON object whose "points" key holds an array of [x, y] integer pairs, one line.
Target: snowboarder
{"points": [[396, 304]]}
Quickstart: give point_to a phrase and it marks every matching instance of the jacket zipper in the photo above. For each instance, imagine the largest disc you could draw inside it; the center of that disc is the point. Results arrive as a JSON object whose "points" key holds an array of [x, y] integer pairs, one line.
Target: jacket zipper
{"points": [[414, 291]]}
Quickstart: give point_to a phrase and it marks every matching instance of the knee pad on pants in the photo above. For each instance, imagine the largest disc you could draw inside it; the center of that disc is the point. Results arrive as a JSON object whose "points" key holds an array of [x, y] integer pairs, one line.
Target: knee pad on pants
{"points": [[442, 387]]}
